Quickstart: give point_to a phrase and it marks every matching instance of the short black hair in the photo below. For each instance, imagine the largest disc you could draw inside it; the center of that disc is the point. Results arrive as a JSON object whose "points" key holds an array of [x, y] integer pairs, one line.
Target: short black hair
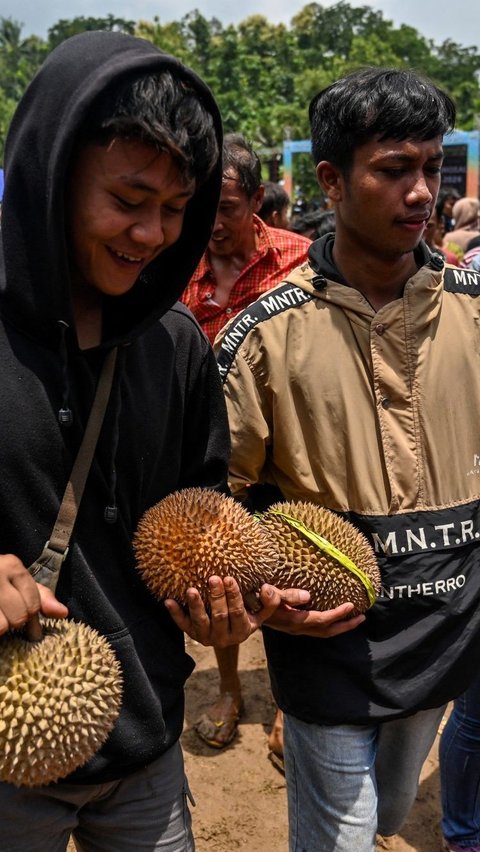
{"points": [[239, 156], [276, 198], [444, 194], [161, 110], [315, 224], [384, 102]]}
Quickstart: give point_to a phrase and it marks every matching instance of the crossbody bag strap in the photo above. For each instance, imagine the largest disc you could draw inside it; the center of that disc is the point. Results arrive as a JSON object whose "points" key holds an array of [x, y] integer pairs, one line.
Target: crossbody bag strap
{"points": [[46, 568]]}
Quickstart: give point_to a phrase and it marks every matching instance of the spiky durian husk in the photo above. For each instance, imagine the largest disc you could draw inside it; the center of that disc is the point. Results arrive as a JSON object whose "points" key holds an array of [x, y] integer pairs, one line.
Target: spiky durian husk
{"points": [[195, 533], [303, 565], [59, 699]]}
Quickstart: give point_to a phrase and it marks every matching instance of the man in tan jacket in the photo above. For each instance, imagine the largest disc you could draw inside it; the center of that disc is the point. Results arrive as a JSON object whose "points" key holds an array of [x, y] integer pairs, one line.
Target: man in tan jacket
{"points": [[355, 385]]}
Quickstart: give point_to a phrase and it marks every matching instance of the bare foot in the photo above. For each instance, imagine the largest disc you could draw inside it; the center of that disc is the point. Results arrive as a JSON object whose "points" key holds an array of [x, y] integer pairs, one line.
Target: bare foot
{"points": [[275, 743], [275, 737]]}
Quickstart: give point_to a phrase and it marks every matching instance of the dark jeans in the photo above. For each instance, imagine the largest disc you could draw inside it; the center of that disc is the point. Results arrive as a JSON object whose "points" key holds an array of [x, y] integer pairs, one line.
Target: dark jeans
{"points": [[460, 770]]}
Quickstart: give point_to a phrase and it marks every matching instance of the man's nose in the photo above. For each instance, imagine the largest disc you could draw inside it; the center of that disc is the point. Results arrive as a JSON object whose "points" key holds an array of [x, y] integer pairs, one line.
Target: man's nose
{"points": [[419, 192], [148, 230]]}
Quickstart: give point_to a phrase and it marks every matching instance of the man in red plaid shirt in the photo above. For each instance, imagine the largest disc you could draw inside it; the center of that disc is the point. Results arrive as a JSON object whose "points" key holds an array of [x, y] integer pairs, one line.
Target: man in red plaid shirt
{"points": [[244, 257]]}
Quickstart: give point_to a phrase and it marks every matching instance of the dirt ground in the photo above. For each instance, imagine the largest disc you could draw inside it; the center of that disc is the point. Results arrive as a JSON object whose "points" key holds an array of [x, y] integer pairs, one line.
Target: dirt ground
{"points": [[240, 797]]}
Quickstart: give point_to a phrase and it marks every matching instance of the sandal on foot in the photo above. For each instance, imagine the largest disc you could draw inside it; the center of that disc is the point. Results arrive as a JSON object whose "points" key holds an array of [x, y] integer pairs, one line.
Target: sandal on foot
{"points": [[277, 761], [218, 726]]}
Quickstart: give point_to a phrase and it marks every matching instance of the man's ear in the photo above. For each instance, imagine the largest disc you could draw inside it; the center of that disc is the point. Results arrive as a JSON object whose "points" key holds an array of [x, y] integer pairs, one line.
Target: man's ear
{"points": [[330, 179], [257, 198]]}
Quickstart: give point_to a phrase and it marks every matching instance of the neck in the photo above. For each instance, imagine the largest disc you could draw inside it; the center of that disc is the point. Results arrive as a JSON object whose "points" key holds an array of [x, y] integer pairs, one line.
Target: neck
{"points": [[380, 278], [239, 258], [87, 312]]}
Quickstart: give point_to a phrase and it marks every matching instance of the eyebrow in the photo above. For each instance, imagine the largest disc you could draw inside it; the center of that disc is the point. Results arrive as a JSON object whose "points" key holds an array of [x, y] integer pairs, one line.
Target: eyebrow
{"points": [[138, 183], [407, 158]]}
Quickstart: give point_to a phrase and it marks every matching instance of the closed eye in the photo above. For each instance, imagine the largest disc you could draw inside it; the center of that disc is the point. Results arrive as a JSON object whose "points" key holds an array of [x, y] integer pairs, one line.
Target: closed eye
{"points": [[125, 203], [174, 211]]}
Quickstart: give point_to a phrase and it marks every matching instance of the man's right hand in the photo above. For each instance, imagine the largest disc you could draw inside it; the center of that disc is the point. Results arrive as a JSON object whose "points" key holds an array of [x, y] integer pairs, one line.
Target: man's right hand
{"points": [[21, 597]]}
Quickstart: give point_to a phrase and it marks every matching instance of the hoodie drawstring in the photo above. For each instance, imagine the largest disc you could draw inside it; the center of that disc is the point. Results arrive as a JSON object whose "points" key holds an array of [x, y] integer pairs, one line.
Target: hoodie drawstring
{"points": [[110, 512], [65, 414]]}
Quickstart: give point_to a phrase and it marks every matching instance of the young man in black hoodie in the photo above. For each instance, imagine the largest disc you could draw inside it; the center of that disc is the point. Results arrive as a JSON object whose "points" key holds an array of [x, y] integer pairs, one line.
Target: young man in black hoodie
{"points": [[112, 182]]}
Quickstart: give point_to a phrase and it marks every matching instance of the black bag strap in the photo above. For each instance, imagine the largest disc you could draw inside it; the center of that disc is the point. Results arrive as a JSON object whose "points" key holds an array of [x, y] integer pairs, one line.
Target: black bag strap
{"points": [[46, 568]]}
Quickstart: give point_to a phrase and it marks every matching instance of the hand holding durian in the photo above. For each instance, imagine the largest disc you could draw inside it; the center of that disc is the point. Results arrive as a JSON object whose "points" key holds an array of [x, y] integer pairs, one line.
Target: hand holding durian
{"points": [[204, 551], [193, 534], [60, 686], [60, 683]]}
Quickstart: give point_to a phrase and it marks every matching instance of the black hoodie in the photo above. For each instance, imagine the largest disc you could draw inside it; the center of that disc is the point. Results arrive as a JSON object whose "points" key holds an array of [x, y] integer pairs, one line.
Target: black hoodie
{"points": [[165, 427]]}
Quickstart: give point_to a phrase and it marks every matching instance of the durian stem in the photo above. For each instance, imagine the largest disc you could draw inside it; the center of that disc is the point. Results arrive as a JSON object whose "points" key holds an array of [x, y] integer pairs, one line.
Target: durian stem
{"points": [[33, 629]]}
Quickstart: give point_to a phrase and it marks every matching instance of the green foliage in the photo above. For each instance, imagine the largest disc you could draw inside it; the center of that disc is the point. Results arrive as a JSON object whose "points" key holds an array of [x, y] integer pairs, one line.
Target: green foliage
{"points": [[262, 74], [19, 60], [66, 28]]}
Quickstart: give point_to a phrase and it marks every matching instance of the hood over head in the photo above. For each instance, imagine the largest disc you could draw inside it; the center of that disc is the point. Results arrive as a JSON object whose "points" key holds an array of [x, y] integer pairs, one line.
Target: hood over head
{"points": [[35, 274]]}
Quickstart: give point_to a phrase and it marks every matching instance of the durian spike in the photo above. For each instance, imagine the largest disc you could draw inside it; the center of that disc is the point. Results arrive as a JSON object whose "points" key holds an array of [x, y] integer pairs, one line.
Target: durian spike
{"points": [[323, 553], [59, 699], [33, 629], [196, 533]]}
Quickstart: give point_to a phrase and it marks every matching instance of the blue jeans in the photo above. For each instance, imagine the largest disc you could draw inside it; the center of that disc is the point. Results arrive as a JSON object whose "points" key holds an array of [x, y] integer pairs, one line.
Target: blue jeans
{"points": [[146, 810], [346, 782], [460, 770]]}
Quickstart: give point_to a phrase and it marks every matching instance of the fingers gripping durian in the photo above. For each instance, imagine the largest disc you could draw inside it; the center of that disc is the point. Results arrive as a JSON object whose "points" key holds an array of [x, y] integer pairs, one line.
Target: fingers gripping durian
{"points": [[323, 553], [195, 533], [59, 699]]}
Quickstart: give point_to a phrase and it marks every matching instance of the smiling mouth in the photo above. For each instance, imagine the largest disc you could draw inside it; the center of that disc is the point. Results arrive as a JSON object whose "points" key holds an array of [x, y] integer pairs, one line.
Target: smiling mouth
{"points": [[127, 258]]}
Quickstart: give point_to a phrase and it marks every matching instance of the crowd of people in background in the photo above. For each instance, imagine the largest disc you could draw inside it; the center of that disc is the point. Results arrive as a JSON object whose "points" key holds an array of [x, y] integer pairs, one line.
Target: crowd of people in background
{"points": [[138, 226]]}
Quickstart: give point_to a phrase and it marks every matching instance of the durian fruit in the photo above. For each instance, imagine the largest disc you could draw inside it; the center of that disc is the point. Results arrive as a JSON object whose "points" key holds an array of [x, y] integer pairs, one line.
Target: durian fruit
{"points": [[336, 564], [59, 699], [195, 533]]}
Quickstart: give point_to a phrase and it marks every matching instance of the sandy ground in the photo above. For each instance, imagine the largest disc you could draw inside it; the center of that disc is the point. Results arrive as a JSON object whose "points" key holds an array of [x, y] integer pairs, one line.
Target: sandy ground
{"points": [[240, 797]]}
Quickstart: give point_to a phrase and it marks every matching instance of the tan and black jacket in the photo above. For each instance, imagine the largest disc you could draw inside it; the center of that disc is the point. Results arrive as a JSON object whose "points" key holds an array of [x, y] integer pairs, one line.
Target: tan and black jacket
{"points": [[375, 415]]}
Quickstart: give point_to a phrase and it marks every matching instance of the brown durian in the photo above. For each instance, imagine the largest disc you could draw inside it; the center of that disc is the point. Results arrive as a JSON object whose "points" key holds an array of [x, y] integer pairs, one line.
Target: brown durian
{"points": [[59, 699], [304, 565], [195, 533]]}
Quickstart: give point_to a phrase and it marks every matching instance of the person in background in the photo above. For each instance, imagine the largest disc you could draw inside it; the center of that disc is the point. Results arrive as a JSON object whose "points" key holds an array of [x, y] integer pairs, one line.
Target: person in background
{"points": [[275, 205], [355, 384], [112, 182], [466, 212], [459, 754], [315, 224], [434, 236], [447, 197], [245, 256], [471, 258]]}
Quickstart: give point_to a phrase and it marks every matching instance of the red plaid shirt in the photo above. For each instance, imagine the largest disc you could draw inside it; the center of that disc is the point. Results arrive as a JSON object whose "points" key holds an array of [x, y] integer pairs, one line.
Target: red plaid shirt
{"points": [[278, 252]]}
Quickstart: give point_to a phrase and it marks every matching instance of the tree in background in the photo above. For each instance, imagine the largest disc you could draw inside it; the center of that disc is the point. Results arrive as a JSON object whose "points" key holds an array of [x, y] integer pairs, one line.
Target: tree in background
{"points": [[69, 27], [263, 74]]}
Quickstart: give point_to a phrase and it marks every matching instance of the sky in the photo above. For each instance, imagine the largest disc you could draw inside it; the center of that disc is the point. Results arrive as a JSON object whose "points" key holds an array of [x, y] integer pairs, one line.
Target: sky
{"points": [[434, 19]]}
